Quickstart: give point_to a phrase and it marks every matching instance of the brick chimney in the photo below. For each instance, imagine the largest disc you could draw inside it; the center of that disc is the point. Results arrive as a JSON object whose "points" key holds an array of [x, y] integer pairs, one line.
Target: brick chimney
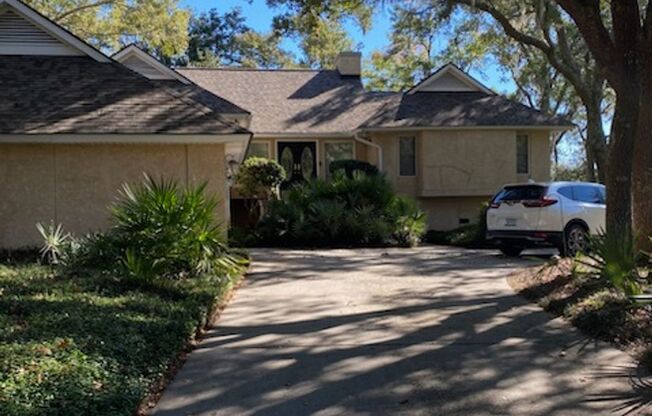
{"points": [[348, 64]]}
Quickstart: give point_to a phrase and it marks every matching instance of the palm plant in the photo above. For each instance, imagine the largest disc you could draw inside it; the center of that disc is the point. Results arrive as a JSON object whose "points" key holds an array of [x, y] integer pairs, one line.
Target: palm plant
{"points": [[615, 260], [164, 230], [54, 242]]}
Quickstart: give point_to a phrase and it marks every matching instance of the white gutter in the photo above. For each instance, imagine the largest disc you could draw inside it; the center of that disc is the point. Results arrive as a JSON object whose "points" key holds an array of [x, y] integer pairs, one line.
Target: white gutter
{"points": [[357, 138]]}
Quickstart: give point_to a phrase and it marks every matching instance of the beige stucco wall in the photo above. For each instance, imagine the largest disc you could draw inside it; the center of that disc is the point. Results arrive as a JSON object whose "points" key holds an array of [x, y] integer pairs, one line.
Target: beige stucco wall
{"points": [[456, 169], [445, 213], [73, 184]]}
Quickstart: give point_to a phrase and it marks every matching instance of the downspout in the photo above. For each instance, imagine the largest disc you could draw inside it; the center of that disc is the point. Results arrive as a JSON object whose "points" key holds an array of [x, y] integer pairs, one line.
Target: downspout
{"points": [[357, 138]]}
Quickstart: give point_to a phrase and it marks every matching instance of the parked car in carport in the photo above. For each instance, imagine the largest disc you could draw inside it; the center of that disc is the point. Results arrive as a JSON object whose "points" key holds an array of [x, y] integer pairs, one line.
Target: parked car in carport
{"points": [[555, 214]]}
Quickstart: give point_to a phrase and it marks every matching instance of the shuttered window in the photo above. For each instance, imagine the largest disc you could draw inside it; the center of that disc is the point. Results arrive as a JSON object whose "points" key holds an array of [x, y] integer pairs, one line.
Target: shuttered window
{"points": [[407, 156], [522, 154]]}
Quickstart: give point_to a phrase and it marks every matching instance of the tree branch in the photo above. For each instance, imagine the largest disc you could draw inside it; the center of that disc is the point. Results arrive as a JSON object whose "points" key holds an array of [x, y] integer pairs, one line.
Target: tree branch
{"points": [[586, 15], [70, 12], [571, 73]]}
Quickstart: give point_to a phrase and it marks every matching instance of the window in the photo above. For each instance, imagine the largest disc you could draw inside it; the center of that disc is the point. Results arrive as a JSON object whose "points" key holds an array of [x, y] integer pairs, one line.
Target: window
{"points": [[407, 156], [520, 193], [258, 149], [522, 154], [589, 194], [337, 151], [566, 191]]}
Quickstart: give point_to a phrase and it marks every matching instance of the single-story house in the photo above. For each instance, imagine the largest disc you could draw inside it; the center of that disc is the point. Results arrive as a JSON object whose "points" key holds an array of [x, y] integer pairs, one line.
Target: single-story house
{"points": [[75, 124]]}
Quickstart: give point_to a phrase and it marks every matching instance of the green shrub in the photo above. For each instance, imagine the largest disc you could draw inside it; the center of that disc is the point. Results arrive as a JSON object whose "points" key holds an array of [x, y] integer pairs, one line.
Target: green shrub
{"points": [[157, 229], [410, 221], [92, 344], [349, 166], [346, 210], [615, 260], [259, 177]]}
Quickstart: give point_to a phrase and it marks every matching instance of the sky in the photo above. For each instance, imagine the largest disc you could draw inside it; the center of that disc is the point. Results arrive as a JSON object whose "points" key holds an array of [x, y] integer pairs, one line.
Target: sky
{"points": [[259, 17]]}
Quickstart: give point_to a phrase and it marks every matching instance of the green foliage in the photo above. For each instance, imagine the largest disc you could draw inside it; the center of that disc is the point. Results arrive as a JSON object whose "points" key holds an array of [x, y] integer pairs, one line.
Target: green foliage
{"points": [[567, 173], [355, 210], [217, 39], [259, 177], [320, 26], [163, 230], [157, 230], [616, 262], [351, 166], [54, 242], [410, 221], [159, 25], [92, 344]]}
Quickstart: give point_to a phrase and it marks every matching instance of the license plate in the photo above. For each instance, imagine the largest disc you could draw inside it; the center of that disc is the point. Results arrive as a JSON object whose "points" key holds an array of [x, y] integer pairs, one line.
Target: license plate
{"points": [[510, 222]]}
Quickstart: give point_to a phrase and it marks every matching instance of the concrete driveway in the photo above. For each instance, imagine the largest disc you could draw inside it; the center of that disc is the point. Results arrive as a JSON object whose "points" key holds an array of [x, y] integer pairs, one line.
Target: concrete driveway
{"points": [[427, 331]]}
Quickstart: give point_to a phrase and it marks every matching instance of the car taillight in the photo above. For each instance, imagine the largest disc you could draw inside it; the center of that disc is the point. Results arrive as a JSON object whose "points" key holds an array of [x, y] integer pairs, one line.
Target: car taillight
{"points": [[494, 205], [546, 201]]}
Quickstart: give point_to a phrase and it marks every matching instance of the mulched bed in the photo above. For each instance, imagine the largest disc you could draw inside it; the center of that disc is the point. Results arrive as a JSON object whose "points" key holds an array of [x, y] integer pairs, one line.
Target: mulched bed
{"points": [[566, 289]]}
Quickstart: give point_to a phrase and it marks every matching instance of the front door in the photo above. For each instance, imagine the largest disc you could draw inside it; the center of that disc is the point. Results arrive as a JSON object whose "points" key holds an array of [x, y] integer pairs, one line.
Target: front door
{"points": [[299, 159]]}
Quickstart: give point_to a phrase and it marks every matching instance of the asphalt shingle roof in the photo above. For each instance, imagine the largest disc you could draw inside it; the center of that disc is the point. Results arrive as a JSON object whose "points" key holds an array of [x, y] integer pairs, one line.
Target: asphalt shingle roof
{"points": [[63, 94], [456, 109], [307, 101], [291, 101]]}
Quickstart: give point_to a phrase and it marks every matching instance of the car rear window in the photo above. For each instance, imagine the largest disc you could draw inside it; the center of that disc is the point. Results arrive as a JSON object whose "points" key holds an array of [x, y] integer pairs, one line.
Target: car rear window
{"points": [[520, 193]]}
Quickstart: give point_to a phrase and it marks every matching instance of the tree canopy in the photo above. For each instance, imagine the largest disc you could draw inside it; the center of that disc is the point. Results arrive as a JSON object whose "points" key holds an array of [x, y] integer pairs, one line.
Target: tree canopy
{"points": [[111, 24]]}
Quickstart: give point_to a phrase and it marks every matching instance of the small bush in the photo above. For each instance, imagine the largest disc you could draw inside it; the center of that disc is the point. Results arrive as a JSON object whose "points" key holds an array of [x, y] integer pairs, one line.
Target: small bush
{"points": [[158, 230], [260, 178], [615, 261], [357, 210], [349, 166]]}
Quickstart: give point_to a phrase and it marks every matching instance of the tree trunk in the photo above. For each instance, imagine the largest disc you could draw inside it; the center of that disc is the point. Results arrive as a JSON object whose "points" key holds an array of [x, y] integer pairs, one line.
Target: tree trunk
{"points": [[642, 171], [596, 142], [619, 175]]}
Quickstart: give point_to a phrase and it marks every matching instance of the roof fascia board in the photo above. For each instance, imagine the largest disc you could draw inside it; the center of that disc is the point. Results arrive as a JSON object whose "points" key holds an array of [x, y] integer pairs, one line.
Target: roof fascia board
{"points": [[55, 30], [123, 54], [328, 135], [124, 138], [410, 128]]}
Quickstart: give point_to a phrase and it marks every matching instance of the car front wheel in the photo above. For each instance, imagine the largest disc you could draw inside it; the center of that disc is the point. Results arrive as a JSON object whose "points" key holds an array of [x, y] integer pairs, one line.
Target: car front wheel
{"points": [[576, 240]]}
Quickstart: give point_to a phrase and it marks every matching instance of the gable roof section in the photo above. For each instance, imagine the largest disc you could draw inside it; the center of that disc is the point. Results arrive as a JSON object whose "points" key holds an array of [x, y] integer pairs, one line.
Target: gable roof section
{"points": [[457, 109], [24, 31], [78, 95], [140, 61], [291, 101], [449, 78]]}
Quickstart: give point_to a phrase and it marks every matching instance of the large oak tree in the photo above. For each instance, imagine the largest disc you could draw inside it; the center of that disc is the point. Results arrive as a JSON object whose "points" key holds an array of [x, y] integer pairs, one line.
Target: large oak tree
{"points": [[619, 36]]}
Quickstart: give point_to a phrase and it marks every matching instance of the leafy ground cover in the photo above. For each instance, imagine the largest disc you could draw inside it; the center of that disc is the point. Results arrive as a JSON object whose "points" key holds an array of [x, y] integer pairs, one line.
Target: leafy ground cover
{"points": [[91, 343], [599, 309]]}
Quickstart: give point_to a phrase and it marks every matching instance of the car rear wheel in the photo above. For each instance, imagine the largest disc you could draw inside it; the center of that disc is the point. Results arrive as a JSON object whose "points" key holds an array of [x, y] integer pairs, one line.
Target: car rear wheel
{"points": [[510, 250], [576, 240]]}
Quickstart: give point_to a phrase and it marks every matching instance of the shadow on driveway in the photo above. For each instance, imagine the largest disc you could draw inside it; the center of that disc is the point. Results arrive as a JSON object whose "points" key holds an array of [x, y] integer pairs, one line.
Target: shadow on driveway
{"points": [[433, 331]]}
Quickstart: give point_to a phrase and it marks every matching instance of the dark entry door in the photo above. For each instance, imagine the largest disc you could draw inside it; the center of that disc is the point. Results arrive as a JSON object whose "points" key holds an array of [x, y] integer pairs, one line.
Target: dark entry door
{"points": [[299, 159]]}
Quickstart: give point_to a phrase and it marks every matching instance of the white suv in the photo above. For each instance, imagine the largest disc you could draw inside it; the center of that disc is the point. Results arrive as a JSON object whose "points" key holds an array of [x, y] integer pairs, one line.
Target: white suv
{"points": [[558, 214]]}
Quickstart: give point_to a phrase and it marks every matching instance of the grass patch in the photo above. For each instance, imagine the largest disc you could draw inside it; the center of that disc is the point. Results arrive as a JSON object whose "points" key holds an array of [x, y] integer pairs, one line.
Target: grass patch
{"points": [[599, 310], [93, 344]]}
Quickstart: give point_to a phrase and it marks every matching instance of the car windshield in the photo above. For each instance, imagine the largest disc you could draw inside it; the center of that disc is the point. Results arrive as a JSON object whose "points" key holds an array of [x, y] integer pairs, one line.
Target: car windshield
{"points": [[520, 193]]}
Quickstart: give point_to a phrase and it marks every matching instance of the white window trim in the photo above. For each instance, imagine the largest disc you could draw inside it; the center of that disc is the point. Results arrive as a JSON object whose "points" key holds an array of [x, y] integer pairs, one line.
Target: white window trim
{"points": [[398, 157]]}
